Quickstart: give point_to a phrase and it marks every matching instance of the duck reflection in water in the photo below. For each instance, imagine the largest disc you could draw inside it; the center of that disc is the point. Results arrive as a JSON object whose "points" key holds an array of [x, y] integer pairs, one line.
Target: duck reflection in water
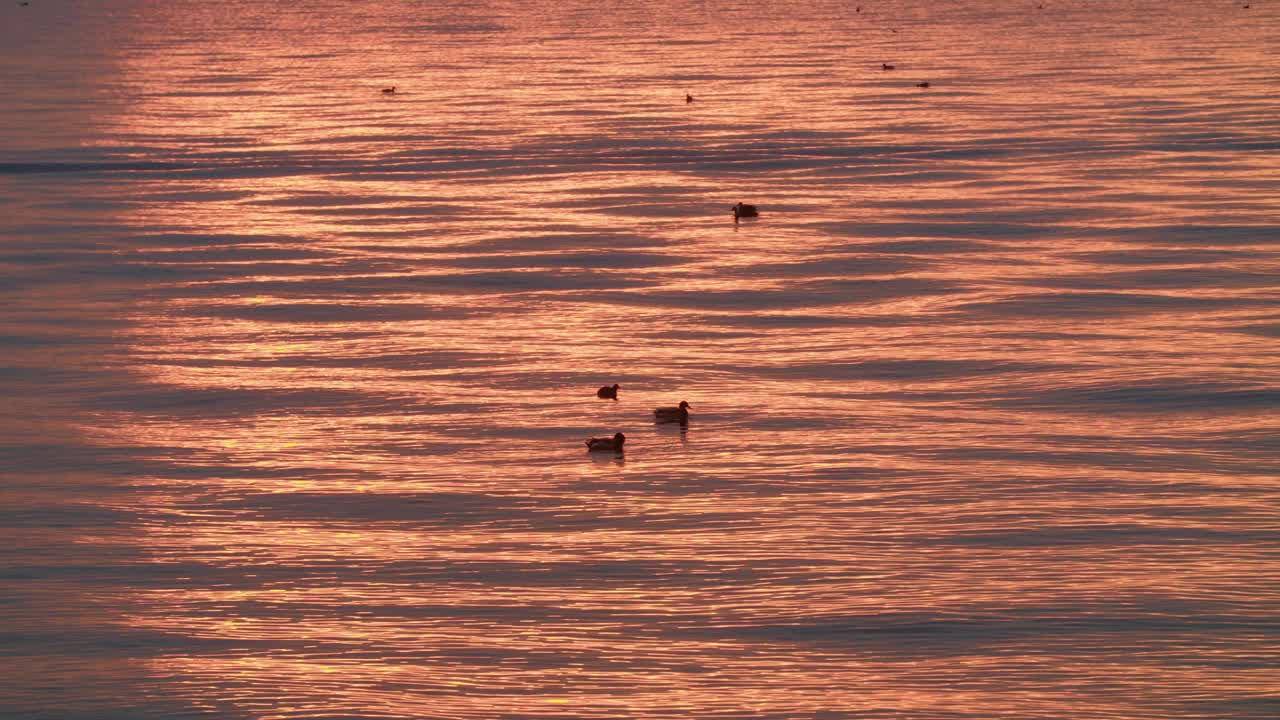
{"points": [[613, 444], [672, 431], [678, 414]]}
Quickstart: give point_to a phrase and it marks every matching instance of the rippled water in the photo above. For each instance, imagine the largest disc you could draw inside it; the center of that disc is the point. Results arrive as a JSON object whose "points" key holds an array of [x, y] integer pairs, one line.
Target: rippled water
{"points": [[299, 373]]}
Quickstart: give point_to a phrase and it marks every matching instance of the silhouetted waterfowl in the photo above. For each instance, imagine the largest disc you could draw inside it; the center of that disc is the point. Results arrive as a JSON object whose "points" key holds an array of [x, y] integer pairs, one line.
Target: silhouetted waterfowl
{"points": [[613, 444], [672, 414], [688, 98], [886, 66], [389, 91], [608, 393], [744, 210], [923, 84]]}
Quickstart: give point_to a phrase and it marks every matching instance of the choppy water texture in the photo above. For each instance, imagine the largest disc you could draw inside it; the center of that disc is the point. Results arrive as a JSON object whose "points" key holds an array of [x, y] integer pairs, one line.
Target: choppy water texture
{"points": [[298, 373]]}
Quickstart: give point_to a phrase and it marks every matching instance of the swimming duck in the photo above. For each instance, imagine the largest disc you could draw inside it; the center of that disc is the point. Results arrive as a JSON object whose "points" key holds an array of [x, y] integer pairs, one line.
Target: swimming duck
{"points": [[613, 444], [688, 98], [744, 210], [672, 414], [608, 393], [886, 66], [389, 91], [923, 84]]}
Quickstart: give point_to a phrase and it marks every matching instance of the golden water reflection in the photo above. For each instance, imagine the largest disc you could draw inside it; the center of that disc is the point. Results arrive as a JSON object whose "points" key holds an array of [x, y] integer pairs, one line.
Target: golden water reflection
{"points": [[981, 403]]}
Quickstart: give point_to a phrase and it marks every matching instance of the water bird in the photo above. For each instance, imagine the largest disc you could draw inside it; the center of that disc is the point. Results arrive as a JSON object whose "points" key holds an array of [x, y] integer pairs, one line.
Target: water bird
{"points": [[886, 66], [389, 91], [688, 98], [744, 210], [613, 444], [672, 414], [922, 84], [608, 393]]}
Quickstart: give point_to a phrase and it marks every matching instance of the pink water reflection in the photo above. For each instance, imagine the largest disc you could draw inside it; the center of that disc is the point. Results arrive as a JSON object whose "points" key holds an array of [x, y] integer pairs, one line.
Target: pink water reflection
{"points": [[982, 402]]}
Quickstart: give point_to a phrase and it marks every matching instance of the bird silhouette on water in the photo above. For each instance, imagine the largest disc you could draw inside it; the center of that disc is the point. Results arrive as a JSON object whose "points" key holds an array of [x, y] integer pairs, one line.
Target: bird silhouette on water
{"points": [[608, 393], [744, 210], [678, 414], [604, 444]]}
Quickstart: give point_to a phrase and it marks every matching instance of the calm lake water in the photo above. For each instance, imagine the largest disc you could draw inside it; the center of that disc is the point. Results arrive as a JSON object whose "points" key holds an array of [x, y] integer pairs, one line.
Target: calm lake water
{"points": [[298, 372]]}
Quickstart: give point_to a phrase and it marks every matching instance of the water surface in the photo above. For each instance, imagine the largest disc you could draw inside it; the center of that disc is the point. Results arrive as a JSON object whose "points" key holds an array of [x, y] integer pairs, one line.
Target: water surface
{"points": [[299, 372]]}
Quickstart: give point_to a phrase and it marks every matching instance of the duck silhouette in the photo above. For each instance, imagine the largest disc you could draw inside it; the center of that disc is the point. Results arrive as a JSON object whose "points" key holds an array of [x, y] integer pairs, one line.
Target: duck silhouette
{"points": [[608, 393], [389, 91], [604, 444], [922, 84], [688, 98], [886, 66], [678, 414], [744, 210]]}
